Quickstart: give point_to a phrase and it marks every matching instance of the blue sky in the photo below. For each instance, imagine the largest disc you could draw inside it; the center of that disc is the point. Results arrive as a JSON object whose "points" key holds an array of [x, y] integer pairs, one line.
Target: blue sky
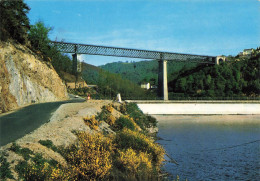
{"points": [[206, 27]]}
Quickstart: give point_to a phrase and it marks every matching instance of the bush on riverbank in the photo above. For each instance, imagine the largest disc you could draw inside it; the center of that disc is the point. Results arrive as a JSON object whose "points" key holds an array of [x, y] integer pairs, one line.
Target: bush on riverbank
{"points": [[144, 121]]}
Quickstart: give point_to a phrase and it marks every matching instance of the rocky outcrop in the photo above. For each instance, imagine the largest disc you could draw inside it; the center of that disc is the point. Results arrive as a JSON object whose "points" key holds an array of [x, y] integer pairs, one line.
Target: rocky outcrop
{"points": [[24, 79]]}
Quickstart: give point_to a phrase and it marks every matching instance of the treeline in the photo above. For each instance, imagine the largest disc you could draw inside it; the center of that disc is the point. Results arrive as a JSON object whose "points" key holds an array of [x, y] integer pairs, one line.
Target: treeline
{"points": [[15, 26], [229, 79]]}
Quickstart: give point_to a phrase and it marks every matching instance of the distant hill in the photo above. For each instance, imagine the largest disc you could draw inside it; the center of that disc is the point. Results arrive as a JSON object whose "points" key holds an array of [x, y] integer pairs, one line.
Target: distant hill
{"points": [[90, 73], [110, 84], [144, 71]]}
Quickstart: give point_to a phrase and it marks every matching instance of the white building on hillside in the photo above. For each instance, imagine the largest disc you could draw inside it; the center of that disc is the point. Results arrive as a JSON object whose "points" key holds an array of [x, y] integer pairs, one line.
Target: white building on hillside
{"points": [[146, 86]]}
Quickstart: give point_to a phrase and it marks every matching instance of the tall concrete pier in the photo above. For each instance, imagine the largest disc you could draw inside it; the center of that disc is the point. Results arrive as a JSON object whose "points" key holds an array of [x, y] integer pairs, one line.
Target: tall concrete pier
{"points": [[162, 80]]}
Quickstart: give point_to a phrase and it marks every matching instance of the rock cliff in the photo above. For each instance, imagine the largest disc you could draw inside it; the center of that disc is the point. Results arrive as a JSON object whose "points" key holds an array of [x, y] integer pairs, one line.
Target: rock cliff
{"points": [[24, 79]]}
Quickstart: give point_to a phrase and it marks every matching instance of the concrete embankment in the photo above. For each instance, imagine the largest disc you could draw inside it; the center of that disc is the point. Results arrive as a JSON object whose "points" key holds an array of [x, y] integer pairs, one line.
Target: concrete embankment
{"points": [[200, 108]]}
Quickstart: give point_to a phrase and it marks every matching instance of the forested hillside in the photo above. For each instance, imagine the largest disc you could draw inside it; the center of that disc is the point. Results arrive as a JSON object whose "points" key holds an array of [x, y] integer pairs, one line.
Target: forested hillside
{"points": [[237, 78], [144, 71], [227, 80]]}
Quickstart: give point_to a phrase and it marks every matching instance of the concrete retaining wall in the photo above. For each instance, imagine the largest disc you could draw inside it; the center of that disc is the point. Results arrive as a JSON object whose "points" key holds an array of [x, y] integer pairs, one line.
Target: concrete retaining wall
{"points": [[206, 108]]}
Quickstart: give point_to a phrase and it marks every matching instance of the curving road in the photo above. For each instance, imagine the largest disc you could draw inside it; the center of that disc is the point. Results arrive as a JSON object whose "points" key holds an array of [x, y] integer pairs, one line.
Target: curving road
{"points": [[19, 123]]}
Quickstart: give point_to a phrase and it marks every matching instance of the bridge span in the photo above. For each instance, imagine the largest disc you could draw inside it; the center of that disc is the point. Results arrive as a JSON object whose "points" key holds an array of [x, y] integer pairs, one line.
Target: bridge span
{"points": [[162, 57]]}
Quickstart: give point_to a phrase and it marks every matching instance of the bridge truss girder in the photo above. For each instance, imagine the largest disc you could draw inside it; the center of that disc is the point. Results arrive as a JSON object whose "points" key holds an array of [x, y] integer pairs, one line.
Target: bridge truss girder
{"points": [[130, 53]]}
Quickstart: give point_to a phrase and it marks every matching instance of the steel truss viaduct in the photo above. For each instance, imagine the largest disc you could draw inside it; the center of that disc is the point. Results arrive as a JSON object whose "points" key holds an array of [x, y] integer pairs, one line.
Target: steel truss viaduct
{"points": [[162, 58]]}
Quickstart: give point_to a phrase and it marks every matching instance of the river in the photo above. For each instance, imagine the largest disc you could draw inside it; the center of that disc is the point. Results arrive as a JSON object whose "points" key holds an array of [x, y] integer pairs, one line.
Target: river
{"points": [[211, 147]]}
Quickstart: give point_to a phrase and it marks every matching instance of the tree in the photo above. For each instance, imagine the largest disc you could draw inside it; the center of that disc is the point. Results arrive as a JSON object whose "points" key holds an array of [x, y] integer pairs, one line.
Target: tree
{"points": [[38, 36], [13, 20]]}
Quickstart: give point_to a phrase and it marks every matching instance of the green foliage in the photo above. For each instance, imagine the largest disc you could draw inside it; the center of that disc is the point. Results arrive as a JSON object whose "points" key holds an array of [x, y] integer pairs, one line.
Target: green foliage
{"points": [[38, 35], [37, 169], [5, 171], [229, 79], [137, 141], [110, 84], [14, 22], [24, 152], [143, 71], [124, 122], [48, 144], [144, 121]]}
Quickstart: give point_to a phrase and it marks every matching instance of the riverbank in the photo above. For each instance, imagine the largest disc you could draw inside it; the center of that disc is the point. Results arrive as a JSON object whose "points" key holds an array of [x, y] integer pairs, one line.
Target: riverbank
{"points": [[65, 147]]}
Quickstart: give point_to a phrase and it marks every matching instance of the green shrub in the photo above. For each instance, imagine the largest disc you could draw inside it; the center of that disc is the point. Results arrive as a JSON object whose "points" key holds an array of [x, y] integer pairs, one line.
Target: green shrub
{"points": [[5, 171], [124, 122], [142, 120], [37, 169], [15, 148], [24, 152], [48, 144]]}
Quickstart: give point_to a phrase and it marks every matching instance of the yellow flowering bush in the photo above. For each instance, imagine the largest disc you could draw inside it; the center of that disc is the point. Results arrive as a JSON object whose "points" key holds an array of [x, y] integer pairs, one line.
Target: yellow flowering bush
{"points": [[110, 120], [91, 157], [106, 115], [61, 174], [133, 162], [140, 142], [91, 122], [109, 108]]}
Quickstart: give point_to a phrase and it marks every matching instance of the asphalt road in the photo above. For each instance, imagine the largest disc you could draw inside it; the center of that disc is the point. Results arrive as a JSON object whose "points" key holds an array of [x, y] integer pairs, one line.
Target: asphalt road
{"points": [[19, 123]]}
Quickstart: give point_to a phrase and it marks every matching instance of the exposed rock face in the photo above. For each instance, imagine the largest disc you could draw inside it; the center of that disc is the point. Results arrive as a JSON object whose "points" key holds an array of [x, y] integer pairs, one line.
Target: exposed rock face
{"points": [[24, 79]]}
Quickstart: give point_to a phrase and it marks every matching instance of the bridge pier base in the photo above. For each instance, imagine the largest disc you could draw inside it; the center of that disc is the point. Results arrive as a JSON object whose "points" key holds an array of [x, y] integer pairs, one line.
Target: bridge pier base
{"points": [[162, 80]]}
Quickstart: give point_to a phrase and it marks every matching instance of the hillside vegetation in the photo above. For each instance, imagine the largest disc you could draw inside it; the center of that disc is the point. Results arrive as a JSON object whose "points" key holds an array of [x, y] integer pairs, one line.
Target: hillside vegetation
{"points": [[232, 79], [110, 84], [143, 71], [238, 78]]}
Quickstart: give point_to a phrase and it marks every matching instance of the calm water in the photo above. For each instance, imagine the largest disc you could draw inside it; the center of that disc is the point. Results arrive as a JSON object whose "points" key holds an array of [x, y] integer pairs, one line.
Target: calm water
{"points": [[208, 150]]}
